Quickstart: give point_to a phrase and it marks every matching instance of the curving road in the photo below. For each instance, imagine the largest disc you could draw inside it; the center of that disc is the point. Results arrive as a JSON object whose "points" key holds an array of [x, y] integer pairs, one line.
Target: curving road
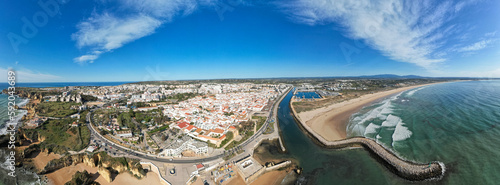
{"points": [[140, 155]]}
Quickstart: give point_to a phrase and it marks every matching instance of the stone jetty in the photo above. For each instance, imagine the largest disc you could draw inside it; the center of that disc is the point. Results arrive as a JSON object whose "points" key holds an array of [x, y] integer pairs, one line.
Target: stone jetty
{"points": [[406, 169]]}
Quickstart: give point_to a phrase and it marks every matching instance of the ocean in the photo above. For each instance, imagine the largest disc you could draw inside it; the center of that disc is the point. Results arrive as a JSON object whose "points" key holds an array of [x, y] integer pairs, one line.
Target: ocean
{"points": [[455, 123], [24, 177]]}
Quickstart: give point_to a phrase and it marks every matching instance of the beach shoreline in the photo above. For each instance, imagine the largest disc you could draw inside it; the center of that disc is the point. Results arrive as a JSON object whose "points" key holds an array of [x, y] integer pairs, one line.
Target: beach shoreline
{"points": [[17, 118], [407, 169], [330, 122]]}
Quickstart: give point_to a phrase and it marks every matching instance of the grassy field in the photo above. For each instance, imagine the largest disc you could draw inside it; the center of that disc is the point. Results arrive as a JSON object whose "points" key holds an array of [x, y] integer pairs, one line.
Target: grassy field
{"points": [[260, 121], [61, 137], [245, 130], [270, 128], [162, 128], [56, 109]]}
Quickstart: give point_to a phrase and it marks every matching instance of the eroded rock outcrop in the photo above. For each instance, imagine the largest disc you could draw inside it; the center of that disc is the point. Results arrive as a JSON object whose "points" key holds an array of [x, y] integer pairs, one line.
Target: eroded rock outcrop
{"points": [[105, 173], [106, 164]]}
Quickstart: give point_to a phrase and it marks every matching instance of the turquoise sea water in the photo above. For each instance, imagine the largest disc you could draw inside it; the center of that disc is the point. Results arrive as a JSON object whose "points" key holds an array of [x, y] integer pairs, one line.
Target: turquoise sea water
{"points": [[455, 123]]}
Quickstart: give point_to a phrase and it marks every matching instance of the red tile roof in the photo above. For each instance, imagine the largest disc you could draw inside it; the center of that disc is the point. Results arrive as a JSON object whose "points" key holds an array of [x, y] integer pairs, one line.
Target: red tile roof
{"points": [[183, 125], [218, 131], [190, 127]]}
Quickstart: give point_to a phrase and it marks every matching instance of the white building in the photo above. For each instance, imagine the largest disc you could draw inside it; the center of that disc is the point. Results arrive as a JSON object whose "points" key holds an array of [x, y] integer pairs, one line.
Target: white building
{"points": [[126, 133], [183, 144]]}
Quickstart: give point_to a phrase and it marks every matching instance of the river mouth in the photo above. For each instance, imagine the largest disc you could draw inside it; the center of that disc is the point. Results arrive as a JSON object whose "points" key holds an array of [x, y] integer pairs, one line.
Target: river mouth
{"points": [[470, 155], [321, 165]]}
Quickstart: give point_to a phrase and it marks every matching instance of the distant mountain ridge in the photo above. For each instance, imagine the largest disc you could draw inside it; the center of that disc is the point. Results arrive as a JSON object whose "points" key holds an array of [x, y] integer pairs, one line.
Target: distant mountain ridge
{"points": [[390, 76]]}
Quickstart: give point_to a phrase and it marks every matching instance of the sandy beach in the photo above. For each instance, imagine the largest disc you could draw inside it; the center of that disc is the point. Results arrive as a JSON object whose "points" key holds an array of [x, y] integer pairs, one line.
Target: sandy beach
{"points": [[330, 122], [269, 178], [43, 158], [65, 174]]}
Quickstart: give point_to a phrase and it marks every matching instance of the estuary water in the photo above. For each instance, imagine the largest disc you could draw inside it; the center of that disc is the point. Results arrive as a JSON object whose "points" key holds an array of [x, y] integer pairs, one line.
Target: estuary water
{"points": [[455, 123]]}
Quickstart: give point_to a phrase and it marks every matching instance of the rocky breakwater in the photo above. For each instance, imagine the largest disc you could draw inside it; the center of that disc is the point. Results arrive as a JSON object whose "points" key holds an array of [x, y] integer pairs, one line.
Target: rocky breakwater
{"points": [[406, 169], [107, 165]]}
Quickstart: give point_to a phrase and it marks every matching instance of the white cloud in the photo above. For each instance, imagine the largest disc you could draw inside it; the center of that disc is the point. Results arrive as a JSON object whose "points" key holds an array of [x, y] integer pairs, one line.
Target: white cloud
{"points": [[107, 31], [406, 31], [476, 46], [86, 58], [25, 75], [490, 34]]}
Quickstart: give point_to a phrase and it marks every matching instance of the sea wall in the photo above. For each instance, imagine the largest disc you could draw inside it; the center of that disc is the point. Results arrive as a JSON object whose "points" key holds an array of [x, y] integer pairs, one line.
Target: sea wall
{"points": [[278, 166], [406, 169], [156, 170]]}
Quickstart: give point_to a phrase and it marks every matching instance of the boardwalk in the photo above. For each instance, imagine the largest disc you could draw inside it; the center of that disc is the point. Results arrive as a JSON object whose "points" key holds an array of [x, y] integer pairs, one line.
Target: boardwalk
{"points": [[403, 168]]}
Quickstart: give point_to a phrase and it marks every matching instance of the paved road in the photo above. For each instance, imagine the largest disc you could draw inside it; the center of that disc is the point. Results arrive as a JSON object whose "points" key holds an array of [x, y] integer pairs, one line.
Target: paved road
{"points": [[140, 155]]}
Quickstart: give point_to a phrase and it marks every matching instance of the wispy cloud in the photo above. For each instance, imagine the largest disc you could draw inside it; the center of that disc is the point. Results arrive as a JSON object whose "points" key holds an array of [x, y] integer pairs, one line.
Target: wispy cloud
{"points": [[109, 30], [26, 75], [406, 31], [490, 34], [86, 58], [476, 46]]}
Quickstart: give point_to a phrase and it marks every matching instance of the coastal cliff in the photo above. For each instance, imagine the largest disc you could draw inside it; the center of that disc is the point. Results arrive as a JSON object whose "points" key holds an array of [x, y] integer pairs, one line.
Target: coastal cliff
{"points": [[105, 163]]}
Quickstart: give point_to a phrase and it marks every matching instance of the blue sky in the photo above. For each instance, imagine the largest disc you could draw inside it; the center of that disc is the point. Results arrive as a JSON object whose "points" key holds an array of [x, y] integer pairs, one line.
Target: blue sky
{"points": [[137, 40]]}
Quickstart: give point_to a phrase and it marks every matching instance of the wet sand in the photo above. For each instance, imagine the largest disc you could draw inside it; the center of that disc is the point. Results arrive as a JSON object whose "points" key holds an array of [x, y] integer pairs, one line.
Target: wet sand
{"points": [[330, 122]]}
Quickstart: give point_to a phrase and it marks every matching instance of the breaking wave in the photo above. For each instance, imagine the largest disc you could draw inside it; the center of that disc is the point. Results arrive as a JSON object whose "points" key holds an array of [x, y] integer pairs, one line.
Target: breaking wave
{"points": [[410, 93], [371, 129], [380, 122], [401, 132]]}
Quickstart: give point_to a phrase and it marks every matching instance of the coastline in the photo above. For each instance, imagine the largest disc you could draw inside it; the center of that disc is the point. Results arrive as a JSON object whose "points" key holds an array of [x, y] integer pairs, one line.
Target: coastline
{"points": [[409, 170], [18, 118], [330, 122]]}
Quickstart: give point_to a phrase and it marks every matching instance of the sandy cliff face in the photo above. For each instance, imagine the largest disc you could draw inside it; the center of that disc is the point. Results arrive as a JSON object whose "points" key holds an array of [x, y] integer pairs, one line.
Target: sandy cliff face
{"points": [[105, 173], [106, 164], [136, 169]]}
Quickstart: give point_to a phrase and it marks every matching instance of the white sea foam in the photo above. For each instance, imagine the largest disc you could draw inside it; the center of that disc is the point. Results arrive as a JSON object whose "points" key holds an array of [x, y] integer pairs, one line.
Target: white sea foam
{"points": [[383, 110], [371, 129], [357, 129], [401, 132], [391, 121], [378, 137], [380, 112], [17, 119], [23, 102], [410, 93]]}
